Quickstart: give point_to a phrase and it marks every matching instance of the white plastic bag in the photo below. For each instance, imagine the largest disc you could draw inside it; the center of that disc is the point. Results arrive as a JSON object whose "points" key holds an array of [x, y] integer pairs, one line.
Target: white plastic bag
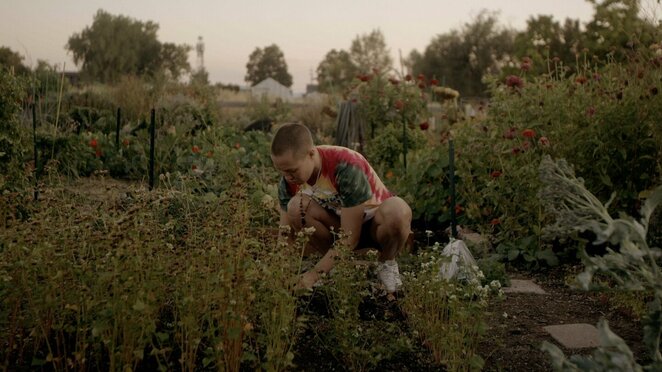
{"points": [[460, 263]]}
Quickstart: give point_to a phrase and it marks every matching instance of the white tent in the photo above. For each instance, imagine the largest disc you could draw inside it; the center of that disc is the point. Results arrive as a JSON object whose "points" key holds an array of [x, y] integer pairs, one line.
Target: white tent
{"points": [[272, 89]]}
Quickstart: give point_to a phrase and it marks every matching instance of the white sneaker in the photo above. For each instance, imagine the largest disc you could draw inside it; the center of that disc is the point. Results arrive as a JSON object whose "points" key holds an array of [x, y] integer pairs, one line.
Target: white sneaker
{"points": [[389, 274]]}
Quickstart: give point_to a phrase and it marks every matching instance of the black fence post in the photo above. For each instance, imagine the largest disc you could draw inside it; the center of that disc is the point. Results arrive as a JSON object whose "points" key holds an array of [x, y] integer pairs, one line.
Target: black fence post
{"points": [[451, 176], [117, 129], [404, 142], [151, 149], [34, 145]]}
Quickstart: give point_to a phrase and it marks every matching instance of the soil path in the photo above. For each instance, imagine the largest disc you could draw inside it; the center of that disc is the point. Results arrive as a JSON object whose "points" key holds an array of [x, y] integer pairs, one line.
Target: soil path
{"points": [[515, 330]]}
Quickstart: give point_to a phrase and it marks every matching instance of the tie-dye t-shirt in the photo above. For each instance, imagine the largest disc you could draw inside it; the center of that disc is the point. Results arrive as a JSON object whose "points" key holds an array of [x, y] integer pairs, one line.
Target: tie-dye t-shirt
{"points": [[347, 180]]}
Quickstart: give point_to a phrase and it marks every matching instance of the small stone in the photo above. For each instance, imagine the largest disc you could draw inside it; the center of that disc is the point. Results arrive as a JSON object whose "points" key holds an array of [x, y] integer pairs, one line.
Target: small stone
{"points": [[523, 286], [575, 336]]}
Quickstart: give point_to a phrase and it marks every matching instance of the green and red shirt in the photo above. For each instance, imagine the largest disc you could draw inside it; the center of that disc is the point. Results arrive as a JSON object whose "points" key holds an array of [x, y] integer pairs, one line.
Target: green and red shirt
{"points": [[346, 180]]}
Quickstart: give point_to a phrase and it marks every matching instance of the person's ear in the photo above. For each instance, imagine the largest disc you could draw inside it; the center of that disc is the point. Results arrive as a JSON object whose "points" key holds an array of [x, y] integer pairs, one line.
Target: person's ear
{"points": [[311, 152]]}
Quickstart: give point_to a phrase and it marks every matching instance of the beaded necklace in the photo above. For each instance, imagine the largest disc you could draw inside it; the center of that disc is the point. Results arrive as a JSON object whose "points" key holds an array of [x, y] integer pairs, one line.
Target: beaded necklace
{"points": [[303, 211]]}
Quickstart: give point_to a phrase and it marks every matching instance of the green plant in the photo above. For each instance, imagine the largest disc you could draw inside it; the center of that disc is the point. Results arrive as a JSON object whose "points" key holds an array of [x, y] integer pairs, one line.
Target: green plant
{"points": [[633, 267], [12, 148], [359, 342], [448, 316], [384, 100], [426, 186], [386, 152]]}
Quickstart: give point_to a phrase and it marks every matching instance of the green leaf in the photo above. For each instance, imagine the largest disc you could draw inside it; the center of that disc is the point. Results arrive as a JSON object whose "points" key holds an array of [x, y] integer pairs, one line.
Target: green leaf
{"points": [[513, 254], [549, 257]]}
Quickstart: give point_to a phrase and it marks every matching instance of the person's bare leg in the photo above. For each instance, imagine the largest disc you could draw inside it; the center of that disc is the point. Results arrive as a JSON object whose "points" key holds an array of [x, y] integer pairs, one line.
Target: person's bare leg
{"points": [[316, 216], [391, 227]]}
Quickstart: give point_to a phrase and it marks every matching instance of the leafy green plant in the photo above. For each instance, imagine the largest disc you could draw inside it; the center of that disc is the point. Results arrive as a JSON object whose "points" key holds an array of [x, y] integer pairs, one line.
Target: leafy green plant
{"points": [[426, 186], [633, 267], [385, 151], [12, 148]]}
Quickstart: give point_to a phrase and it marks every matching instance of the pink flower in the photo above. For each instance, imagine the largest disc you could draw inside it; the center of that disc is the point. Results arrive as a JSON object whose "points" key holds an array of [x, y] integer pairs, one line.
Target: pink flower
{"points": [[543, 141], [495, 174]]}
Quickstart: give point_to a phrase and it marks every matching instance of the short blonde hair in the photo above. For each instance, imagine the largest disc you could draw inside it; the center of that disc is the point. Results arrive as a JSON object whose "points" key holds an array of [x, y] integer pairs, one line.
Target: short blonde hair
{"points": [[293, 137]]}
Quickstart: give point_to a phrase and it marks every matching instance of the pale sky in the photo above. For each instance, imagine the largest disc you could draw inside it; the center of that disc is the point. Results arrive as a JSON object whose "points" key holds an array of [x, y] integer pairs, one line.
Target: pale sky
{"points": [[305, 30]]}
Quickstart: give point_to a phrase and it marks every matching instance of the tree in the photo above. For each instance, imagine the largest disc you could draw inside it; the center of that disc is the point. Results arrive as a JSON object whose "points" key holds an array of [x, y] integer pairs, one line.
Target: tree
{"points": [[117, 45], [265, 63], [461, 58], [11, 60], [544, 39], [336, 71], [616, 28], [369, 52]]}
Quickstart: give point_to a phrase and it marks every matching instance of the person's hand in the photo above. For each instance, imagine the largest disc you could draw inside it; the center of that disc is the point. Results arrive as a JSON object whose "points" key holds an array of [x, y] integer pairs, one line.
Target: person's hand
{"points": [[307, 280]]}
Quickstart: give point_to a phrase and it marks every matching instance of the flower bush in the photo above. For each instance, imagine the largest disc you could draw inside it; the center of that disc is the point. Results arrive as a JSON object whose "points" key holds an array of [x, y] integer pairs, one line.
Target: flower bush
{"points": [[384, 100], [603, 120]]}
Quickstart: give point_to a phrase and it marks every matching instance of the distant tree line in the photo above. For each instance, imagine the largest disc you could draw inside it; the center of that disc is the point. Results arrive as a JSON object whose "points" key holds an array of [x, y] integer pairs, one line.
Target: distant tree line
{"points": [[115, 46]]}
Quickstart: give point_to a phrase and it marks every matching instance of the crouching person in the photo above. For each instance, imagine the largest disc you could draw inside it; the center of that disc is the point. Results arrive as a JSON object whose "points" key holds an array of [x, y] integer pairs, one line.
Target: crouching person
{"points": [[331, 188]]}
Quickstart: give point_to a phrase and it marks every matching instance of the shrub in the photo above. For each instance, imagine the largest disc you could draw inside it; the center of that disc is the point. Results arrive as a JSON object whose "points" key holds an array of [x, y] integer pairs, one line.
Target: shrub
{"points": [[12, 148]]}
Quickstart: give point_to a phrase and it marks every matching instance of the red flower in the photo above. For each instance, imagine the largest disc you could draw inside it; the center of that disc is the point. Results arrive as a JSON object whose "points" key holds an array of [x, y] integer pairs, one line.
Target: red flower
{"points": [[516, 150], [98, 153], [421, 77], [364, 78], [434, 82], [93, 143], [495, 174], [528, 133], [210, 154], [424, 125], [408, 77], [514, 82], [590, 111], [194, 167], [581, 79], [125, 142], [458, 209], [237, 145], [495, 222], [543, 141], [421, 85], [398, 104], [195, 149]]}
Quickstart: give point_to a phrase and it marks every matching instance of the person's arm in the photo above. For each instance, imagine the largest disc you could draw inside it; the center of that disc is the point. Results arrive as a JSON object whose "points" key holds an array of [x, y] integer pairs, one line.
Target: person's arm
{"points": [[351, 220]]}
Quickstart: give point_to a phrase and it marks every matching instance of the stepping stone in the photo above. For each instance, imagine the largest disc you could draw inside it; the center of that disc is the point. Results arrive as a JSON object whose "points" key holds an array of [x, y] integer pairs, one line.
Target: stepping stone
{"points": [[523, 286], [575, 336]]}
